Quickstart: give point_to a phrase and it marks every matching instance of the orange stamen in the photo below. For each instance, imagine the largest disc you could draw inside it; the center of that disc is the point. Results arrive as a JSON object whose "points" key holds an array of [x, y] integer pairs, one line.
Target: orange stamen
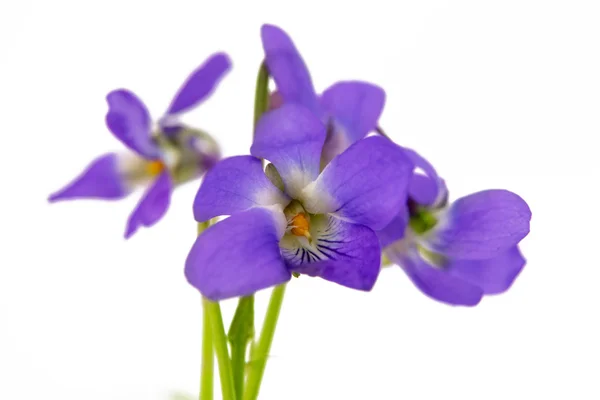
{"points": [[300, 226]]}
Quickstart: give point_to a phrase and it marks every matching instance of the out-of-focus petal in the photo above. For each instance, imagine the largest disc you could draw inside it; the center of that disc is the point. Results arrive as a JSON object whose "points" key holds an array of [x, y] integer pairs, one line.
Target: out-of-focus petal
{"points": [[235, 184], [291, 137], [101, 180], [481, 226], [200, 84], [435, 282], [238, 256], [425, 189], [288, 69], [395, 230], [336, 142], [129, 120], [340, 251], [356, 106], [495, 275], [367, 184], [152, 206]]}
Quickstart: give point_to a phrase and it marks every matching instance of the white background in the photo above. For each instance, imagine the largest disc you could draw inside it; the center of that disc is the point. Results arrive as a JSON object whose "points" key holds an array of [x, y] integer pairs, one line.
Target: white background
{"points": [[498, 94]]}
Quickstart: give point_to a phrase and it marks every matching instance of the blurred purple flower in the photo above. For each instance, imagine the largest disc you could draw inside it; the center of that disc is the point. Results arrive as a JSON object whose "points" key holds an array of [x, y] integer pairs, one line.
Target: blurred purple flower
{"points": [[351, 109], [295, 217], [161, 159], [456, 254]]}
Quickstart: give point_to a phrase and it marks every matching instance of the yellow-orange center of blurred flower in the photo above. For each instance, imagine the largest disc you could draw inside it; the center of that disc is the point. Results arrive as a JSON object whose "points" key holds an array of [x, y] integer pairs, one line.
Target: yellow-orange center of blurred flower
{"points": [[155, 167]]}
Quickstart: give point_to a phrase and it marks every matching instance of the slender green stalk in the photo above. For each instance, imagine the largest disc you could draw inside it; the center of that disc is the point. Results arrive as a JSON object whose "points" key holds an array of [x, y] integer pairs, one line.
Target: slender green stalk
{"points": [[241, 331], [238, 366], [213, 309], [207, 379], [240, 334], [261, 351], [208, 358], [242, 327], [261, 95]]}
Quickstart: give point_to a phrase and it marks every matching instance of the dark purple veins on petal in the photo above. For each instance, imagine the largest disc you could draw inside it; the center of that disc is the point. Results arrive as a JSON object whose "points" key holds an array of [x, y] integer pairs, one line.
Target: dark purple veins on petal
{"points": [[342, 252]]}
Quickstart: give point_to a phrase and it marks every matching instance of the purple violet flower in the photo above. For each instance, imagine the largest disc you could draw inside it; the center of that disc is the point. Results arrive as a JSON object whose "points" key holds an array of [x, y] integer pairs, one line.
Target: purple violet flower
{"points": [[295, 217], [456, 254], [161, 158], [351, 109]]}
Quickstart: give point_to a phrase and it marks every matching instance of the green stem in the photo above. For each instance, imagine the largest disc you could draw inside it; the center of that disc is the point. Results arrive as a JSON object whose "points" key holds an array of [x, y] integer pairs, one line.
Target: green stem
{"points": [[238, 365], [241, 331], [261, 351], [240, 334], [261, 95], [208, 358], [213, 309]]}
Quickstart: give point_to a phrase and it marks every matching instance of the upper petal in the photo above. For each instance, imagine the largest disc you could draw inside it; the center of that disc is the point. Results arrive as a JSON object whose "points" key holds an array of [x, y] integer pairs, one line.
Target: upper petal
{"points": [[291, 137], [342, 252], [201, 83], [238, 256], [235, 184], [102, 179], [435, 282], [355, 105], [495, 275], [366, 184], [152, 206], [288, 69], [426, 189], [129, 120], [481, 225]]}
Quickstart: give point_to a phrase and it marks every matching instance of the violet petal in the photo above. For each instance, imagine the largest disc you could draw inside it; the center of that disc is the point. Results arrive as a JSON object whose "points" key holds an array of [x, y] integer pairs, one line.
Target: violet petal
{"points": [[129, 120], [355, 105], [342, 252], [291, 137], [152, 206], [200, 84], [366, 184], [482, 225], [100, 180], [238, 256], [424, 189], [395, 230], [435, 282], [288, 69], [495, 275], [235, 184]]}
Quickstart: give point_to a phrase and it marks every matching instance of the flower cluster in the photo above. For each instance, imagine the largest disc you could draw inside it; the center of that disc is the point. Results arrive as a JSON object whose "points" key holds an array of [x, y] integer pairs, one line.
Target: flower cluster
{"points": [[297, 217], [333, 198], [324, 192]]}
